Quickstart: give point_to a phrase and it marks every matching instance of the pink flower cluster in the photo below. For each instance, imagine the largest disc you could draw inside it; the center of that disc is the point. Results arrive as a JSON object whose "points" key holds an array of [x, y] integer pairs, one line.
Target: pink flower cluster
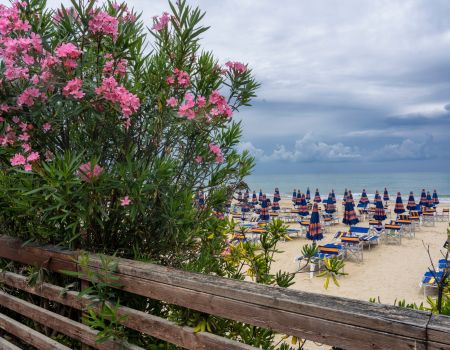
{"points": [[179, 77], [73, 89], [68, 52], [27, 97], [188, 108], [115, 67], [220, 105], [102, 23], [237, 66], [161, 22], [88, 173], [10, 20], [112, 91], [215, 149]]}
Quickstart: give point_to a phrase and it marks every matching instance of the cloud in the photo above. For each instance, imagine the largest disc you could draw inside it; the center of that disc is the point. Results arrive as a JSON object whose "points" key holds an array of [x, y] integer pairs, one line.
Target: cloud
{"points": [[407, 149]]}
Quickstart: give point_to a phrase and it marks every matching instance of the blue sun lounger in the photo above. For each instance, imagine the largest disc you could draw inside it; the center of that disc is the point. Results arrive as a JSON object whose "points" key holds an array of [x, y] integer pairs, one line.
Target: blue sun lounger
{"points": [[326, 251], [365, 235], [430, 279]]}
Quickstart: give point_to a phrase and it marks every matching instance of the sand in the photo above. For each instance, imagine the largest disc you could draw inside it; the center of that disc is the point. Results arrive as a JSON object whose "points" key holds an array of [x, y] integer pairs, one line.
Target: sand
{"points": [[388, 272]]}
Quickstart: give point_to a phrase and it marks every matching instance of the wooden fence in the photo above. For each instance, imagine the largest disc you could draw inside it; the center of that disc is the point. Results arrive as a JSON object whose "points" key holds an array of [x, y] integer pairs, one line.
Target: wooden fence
{"points": [[346, 323]]}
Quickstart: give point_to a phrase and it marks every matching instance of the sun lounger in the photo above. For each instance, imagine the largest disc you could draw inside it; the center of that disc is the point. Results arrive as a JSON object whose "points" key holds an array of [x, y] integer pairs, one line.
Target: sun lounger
{"points": [[365, 234], [428, 218], [443, 264], [353, 247], [408, 227], [430, 280], [392, 234], [327, 251]]}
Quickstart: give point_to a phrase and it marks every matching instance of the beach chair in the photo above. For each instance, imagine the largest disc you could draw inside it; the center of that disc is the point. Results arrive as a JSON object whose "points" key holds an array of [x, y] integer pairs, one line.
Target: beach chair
{"points": [[353, 248], [430, 280], [407, 227], [428, 219], [366, 236], [328, 251], [443, 216], [443, 264], [392, 234]]}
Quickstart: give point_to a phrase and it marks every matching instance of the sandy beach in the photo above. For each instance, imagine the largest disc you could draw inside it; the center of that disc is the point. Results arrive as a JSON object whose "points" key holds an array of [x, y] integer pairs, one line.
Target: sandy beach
{"points": [[388, 272]]}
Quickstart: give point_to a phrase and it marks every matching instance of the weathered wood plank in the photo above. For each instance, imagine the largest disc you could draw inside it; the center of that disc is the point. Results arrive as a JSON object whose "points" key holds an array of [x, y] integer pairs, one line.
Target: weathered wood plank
{"points": [[439, 331], [59, 323], [29, 335], [152, 325], [6, 345]]}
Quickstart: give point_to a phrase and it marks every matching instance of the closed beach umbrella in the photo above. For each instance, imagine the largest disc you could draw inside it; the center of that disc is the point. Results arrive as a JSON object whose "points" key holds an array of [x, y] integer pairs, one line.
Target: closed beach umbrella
{"points": [[350, 195], [333, 195], [314, 232], [430, 203], [423, 198], [380, 214], [435, 198], [201, 199], [260, 197], [294, 196], [276, 200], [330, 208], [239, 196], [264, 213], [245, 207], [308, 195], [364, 200], [385, 195], [303, 207], [298, 200], [349, 213], [317, 198], [399, 207], [344, 200], [254, 199], [246, 196], [411, 202]]}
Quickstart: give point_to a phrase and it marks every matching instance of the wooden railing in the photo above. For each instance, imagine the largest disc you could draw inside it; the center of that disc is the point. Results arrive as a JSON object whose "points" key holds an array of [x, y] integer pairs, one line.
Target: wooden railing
{"points": [[346, 323]]}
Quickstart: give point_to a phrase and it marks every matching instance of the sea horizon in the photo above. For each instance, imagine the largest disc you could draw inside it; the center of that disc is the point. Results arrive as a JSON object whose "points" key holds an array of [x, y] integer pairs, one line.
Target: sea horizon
{"points": [[394, 182]]}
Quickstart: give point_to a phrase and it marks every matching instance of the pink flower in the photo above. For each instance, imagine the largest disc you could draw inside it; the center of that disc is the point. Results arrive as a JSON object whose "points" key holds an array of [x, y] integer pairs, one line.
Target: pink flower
{"points": [[33, 157], [2, 119], [237, 66], [18, 159], [26, 147], [87, 173], [28, 167], [161, 22], [67, 50], [103, 23], [199, 159], [73, 88], [201, 101], [24, 137], [125, 201], [46, 127], [170, 80], [27, 97], [215, 149], [172, 102]]}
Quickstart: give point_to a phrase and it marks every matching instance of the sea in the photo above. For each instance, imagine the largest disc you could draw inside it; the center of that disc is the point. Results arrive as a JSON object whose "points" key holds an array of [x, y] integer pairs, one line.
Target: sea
{"points": [[325, 182]]}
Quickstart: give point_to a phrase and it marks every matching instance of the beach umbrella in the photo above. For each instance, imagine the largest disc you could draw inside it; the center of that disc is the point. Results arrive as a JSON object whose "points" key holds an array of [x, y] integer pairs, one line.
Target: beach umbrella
{"points": [[350, 195], [349, 213], [264, 213], [317, 198], [430, 203], [254, 199], [364, 200], [435, 198], [239, 196], [385, 195], [298, 200], [308, 195], [411, 202], [423, 198], [246, 196], [260, 197], [380, 214], [330, 208], [344, 200], [245, 207], [314, 232], [294, 196], [333, 195], [303, 206], [399, 207], [276, 200], [201, 199]]}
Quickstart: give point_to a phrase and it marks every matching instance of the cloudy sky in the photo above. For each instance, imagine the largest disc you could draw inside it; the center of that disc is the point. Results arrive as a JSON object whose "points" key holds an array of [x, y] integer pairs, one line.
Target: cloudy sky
{"points": [[346, 84]]}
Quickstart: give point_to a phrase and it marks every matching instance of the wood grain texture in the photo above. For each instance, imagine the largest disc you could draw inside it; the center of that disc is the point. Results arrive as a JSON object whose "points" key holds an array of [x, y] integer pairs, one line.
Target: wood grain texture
{"points": [[6, 345], [29, 335]]}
